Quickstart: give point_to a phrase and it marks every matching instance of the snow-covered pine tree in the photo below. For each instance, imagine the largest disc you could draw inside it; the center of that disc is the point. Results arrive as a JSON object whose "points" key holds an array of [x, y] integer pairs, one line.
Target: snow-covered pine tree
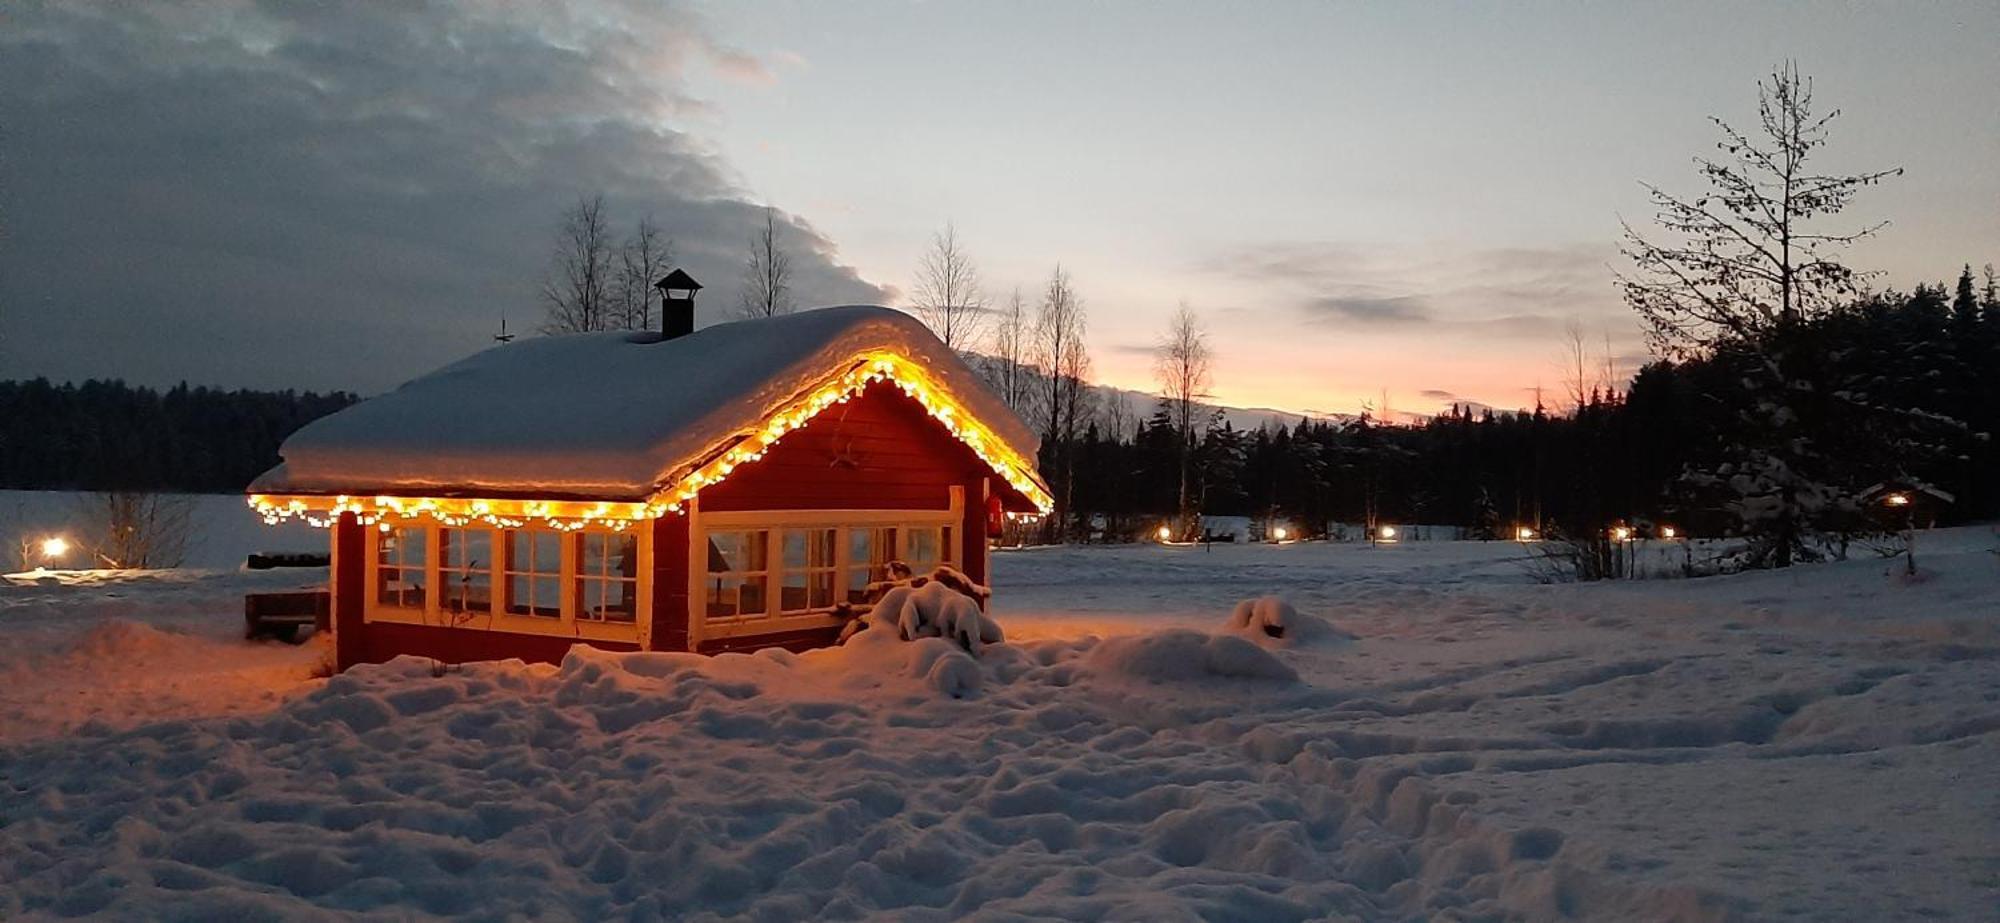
{"points": [[1219, 464], [1485, 519]]}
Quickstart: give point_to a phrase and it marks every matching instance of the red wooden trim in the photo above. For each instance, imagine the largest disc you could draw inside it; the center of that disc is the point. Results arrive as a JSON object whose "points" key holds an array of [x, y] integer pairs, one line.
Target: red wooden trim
{"points": [[801, 640], [670, 584], [350, 587], [380, 642]]}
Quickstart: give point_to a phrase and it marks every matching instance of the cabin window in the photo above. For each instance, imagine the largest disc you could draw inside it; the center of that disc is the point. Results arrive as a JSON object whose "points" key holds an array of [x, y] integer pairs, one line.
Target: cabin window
{"points": [[465, 570], [869, 551], [583, 583], [925, 547], [607, 577], [809, 570], [533, 573], [799, 565], [739, 573], [400, 574]]}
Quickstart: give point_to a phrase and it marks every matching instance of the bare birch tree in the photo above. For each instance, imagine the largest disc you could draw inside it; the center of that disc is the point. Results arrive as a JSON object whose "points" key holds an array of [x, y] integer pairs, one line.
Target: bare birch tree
{"points": [[767, 273], [1182, 365], [642, 260], [577, 289], [1580, 379], [137, 529], [1060, 355], [1012, 343], [947, 294]]}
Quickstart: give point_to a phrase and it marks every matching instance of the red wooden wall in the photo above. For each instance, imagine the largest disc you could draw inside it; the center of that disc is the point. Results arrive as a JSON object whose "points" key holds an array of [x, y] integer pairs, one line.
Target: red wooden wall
{"points": [[879, 451]]}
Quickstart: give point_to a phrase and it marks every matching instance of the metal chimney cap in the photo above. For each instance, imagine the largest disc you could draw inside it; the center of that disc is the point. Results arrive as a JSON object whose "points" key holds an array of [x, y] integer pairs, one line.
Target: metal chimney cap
{"points": [[678, 280]]}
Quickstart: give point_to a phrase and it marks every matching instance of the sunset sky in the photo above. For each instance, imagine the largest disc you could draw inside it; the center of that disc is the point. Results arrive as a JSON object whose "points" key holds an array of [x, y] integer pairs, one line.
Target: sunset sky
{"points": [[1409, 199]]}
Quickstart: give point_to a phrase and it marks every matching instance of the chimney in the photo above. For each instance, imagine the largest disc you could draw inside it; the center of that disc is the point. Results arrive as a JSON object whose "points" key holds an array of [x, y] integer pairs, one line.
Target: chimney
{"points": [[677, 303]]}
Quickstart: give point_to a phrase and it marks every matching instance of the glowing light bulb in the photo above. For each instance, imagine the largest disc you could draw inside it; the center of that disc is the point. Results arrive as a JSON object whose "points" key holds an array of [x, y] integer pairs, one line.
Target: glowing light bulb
{"points": [[1667, 532], [1279, 533], [1897, 499], [1388, 531], [1525, 534], [1164, 533], [54, 547], [1621, 533]]}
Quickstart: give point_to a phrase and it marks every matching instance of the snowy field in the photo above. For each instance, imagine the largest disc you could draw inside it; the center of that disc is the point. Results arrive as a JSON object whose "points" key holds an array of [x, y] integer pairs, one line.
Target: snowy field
{"points": [[1816, 744]]}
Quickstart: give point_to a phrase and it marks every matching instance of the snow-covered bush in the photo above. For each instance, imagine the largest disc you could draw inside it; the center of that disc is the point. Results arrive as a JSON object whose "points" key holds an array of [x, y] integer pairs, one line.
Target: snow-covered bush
{"points": [[945, 604]]}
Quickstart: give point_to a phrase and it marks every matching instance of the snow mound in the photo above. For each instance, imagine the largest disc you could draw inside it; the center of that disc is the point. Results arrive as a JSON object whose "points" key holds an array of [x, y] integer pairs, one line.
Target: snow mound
{"points": [[123, 640], [1179, 655], [1271, 621]]}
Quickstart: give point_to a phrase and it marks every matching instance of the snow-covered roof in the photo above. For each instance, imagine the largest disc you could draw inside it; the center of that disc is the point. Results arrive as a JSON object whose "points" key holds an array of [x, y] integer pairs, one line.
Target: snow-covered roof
{"points": [[624, 415]]}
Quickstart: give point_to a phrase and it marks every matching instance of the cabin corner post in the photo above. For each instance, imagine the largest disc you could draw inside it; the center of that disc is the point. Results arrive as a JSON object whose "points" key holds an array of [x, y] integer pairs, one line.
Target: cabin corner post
{"points": [[349, 587], [972, 525], [671, 536]]}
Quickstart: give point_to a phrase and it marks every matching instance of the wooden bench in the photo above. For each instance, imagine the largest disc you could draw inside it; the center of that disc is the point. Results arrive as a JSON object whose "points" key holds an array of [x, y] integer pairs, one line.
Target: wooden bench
{"points": [[266, 560], [281, 615]]}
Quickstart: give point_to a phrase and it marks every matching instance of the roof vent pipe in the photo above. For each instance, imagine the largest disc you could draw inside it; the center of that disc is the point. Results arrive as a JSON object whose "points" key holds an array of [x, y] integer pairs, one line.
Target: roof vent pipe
{"points": [[677, 303]]}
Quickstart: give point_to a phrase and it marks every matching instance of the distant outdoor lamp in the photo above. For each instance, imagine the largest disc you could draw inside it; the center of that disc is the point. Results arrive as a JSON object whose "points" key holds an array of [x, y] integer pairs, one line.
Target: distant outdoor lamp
{"points": [[1388, 532], [1897, 499], [1621, 533], [54, 547], [1667, 532], [1524, 534], [1279, 533], [1165, 533]]}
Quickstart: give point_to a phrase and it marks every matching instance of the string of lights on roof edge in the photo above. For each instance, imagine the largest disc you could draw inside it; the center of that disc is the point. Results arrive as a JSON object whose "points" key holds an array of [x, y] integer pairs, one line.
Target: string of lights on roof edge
{"points": [[323, 511]]}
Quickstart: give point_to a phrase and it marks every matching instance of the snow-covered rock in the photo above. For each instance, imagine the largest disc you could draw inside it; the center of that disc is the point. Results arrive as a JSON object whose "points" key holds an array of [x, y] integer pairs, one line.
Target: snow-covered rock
{"points": [[1271, 621]]}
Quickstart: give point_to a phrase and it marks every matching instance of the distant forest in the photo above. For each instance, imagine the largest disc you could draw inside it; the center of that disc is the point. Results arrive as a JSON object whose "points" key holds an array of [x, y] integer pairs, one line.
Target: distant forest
{"points": [[1910, 386], [107, 435]]}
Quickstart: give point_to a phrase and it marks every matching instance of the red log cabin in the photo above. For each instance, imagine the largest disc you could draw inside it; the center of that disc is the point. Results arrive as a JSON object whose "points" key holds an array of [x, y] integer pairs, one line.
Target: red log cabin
{"points": [[724, 489]]}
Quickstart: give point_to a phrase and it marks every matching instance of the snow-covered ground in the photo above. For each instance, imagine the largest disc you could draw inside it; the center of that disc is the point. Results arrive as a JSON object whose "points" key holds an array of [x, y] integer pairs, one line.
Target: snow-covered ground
{"points": [[1816, 744]]}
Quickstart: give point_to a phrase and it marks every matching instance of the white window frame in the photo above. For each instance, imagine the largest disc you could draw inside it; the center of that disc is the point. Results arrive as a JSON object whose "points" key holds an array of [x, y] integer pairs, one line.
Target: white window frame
{"points": [[705, 577], [773, 524], [783, 572], [444, 594], [374, 558], [639, 631], [530, 572], [580, 579]]}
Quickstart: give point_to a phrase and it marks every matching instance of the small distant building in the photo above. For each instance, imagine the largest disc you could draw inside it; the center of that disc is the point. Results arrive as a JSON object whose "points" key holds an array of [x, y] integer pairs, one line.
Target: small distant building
{"points": [[729, 488]]}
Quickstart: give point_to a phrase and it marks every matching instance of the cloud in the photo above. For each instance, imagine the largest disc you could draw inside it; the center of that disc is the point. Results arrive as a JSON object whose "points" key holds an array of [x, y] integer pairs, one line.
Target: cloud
{"points": [[742, 68], [342, 195], [1406, 309], [1454, 400], [1131, 349], [1525, 293]]}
